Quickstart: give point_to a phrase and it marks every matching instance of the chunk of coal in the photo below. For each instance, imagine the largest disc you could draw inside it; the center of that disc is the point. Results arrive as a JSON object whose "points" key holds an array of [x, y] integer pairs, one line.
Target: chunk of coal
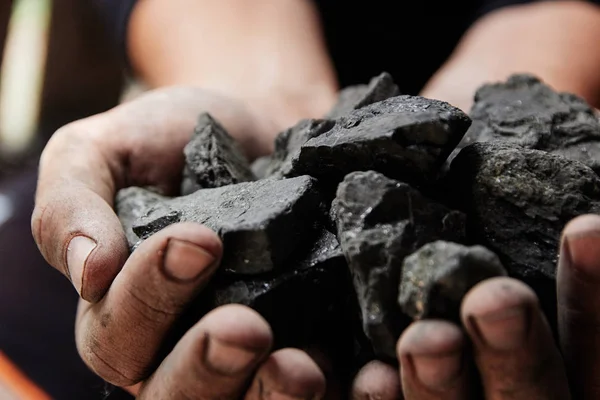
{"points": [[437, 277], [130, 204], [323, 257], [324, 264], [518, 201], [525, 111], [212, 158], [380, 221], [261, 223], [308, 305], [404, 137], [352, 98], [288, 143]]}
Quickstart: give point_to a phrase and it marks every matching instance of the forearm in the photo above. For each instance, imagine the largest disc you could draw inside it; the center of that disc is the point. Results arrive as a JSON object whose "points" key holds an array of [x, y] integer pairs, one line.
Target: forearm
{"points": [[556, 41], [269, 53]]}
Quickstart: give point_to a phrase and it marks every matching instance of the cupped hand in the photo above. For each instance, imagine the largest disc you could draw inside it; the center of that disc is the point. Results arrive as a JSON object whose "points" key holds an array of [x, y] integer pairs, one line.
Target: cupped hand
{"points": [[505, 335], [139, 143], [130, 302]]}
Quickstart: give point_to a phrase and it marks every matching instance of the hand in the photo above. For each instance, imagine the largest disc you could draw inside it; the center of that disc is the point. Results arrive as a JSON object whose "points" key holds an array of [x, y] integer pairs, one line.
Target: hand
{"points": [[511, 343], [131, 302]]}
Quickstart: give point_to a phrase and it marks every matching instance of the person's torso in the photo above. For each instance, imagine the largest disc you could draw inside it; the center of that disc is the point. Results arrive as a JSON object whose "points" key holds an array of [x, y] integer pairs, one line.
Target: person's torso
{"points": [[410, 40]]}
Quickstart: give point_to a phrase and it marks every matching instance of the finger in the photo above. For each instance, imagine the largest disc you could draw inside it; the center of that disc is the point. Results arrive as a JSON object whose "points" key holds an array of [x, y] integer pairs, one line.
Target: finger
{"points": [[214, 360], [432, 363], [579, 304], [377, 380], [86, 162], [513, 345], [73, 222], [120, 336], [288, 374]]}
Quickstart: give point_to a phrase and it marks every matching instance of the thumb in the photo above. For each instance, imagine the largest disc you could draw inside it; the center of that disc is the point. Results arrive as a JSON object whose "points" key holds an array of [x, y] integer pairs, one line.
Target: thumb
{"points": [[579, 304], [73, 222]]}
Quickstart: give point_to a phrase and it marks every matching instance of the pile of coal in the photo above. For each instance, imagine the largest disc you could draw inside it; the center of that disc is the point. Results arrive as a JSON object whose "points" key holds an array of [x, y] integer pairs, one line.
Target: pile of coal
{"points": [[525, 111], [358, 224], [381, 221]]}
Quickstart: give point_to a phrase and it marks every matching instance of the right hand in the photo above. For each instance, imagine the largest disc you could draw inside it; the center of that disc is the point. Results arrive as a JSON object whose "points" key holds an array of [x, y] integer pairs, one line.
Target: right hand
{"points": [[130, 302]]}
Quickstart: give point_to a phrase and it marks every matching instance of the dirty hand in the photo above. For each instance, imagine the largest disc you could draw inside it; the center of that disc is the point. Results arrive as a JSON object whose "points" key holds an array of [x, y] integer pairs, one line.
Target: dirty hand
{"points": [[129, 303], [510, 340]]}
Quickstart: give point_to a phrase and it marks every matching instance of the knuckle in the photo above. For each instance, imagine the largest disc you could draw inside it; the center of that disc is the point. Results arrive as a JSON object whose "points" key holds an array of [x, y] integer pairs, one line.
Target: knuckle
{"points": [[76, 133], [62, 136]]}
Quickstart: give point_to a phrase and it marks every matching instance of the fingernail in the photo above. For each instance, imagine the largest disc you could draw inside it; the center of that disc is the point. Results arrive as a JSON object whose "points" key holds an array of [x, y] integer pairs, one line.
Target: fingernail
{"points": [[582, 252], [228, 359], [185, 261], [78, 251], [504, 330], [437, 371]]}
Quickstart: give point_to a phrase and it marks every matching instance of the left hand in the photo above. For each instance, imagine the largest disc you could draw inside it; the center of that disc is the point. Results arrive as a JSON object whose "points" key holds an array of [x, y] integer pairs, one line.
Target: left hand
{"points": [[507, 337]]}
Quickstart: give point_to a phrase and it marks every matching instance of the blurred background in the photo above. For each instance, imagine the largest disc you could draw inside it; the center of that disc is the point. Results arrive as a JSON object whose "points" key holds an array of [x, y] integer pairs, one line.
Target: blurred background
{"points": [[51, 74], [57, 65]]}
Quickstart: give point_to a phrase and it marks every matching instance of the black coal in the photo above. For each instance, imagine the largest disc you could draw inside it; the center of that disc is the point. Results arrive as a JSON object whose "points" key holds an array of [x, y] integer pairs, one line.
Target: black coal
{"points": [[387, 210]]}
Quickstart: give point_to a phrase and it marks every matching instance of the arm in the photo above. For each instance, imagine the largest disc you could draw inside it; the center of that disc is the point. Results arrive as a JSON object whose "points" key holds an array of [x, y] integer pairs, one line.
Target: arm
{"points": [[250, 55], [557, 41], [268, 53]]}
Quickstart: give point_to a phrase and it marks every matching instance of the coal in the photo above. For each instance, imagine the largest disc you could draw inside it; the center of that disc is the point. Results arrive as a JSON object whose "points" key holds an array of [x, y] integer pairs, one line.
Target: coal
{"points": [[212, 158], [381, 221], [519, 200], [437, 276], [352, 98], [525, 111], [289, 142], [131, 204], [404, 137], [300, 303], [261, 223], [358, 223]]}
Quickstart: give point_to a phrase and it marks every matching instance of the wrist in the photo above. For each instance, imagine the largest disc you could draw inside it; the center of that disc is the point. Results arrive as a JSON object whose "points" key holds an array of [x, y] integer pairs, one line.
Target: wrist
{"points": [[280, 110], [525, 39]]}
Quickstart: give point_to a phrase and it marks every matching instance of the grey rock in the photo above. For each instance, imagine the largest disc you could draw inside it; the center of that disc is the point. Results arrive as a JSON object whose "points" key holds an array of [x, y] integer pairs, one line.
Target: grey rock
{"points": [[405, 137], [518, 201], [289, 142], [261, 223], [212, 158], [325, 251], [437, 276], [352, 98], [380, 221], [131, 204], [525, 111]]}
